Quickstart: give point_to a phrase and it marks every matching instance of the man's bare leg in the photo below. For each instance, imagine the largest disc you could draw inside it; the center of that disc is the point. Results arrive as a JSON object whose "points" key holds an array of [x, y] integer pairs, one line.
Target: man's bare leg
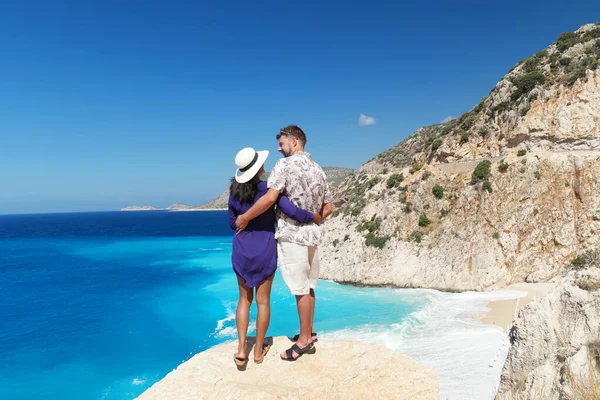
{"points": [[304, 304], [313, 301]]}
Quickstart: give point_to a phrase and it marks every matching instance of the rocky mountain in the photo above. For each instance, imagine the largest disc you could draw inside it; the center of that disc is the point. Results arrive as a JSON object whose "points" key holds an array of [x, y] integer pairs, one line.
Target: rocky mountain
{"points": [[182, 207], [218, 203], [335, 176], [507, 192], [140, 208]]}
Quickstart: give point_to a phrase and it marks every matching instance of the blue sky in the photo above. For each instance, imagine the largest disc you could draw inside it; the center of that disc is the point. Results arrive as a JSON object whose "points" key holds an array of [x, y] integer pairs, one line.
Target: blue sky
{"points": [[112, 103]]}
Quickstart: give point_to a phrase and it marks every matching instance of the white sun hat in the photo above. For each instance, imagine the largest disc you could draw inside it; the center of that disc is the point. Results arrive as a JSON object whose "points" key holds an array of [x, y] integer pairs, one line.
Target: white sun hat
{"points": [[249, 162]]}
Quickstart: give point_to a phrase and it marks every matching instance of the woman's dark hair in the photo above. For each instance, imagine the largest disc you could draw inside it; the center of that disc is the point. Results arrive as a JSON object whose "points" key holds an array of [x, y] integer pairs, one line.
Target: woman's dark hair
{"points": [[245, 192]]}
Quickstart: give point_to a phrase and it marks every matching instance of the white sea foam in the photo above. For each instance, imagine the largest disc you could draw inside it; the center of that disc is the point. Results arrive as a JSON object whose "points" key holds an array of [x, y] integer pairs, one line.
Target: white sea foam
{"points": [[137, 381], [467, 355], [226, 328]]}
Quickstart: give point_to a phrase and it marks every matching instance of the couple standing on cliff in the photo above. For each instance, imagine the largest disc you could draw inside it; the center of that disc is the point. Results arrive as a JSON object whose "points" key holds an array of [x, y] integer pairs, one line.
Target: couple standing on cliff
{"points": [[298, 187]]}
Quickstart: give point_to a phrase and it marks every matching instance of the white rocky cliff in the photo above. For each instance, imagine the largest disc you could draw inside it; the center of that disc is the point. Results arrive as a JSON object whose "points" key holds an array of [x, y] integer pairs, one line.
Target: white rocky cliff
{"points": [[506, 193], [555, 351]]}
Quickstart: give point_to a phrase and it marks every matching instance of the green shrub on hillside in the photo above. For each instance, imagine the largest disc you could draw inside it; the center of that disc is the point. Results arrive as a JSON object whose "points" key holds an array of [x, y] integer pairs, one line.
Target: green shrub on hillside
{"points": [[577, 74], [590, 63], [371, 226], [503, 166], [532, 63], [468, 122], [416, 236], [521, 152], [567, 40], [487, 186], [373, 181], [525, 83], [464, 138], [376, 241], [415, 167], [591, 34], [590, 258], [394, 180], [500, 107], [356, 207], [481, 172], [438, 191], [423, 220]]}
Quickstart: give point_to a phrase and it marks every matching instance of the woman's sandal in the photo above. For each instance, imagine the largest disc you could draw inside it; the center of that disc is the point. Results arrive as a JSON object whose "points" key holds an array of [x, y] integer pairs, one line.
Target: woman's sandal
{"points": [[289, 353], [313, 335], [265, 350], [240, 362]]}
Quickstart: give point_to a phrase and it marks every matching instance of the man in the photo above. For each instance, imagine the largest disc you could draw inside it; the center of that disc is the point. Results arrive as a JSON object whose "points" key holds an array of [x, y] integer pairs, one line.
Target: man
{"points": [[305, 184]]}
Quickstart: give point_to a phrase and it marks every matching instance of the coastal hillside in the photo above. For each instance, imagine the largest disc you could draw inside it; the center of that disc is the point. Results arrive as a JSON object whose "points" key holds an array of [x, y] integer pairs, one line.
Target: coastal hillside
{"points": [[335, 176], [507, 192]]}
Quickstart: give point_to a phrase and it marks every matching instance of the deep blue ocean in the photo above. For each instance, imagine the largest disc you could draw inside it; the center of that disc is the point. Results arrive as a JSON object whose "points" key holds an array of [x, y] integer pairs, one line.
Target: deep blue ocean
{"points": [[102, 305]]}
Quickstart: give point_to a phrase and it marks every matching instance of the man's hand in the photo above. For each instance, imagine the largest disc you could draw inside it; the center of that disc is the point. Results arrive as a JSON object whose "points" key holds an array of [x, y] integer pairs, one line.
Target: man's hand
{"points": [[326, 210], [241, 223], [317, 218]]}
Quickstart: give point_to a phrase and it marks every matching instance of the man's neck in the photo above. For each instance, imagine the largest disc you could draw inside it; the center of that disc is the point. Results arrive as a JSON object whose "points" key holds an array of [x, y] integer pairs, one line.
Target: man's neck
{"points": [[297, 151]]}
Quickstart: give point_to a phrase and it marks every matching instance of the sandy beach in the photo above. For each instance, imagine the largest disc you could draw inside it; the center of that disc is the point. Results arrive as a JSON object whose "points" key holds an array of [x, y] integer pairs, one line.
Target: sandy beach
{"points": [[502, 312]]}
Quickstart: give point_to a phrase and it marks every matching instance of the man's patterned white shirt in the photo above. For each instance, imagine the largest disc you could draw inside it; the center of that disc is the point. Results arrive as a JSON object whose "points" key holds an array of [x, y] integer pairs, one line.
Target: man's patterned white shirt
{"points": [[303, 181]]}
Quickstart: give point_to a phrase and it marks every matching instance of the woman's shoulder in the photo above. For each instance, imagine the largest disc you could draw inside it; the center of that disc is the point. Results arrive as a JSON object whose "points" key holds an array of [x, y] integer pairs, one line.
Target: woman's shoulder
{"points": [[262, 186]]}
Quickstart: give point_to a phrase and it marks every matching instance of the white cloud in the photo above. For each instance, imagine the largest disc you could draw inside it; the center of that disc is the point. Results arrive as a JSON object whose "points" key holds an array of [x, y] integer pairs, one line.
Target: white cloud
{"points": [[448, 118], [365, 120]]}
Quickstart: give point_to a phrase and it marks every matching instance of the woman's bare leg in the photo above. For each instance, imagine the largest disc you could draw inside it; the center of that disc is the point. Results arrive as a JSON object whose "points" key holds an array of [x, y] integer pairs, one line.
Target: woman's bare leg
{"points": [[263, 301], [242, 316]]}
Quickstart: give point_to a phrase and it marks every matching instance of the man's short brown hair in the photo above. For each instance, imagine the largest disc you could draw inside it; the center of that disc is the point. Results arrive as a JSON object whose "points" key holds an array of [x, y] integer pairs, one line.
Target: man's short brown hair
{"points": [[295, 131]]}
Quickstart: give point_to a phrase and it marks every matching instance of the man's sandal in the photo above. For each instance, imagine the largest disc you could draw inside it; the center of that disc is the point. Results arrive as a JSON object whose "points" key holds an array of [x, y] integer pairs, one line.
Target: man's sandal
{"points": [[313, 335], [289, 353]]}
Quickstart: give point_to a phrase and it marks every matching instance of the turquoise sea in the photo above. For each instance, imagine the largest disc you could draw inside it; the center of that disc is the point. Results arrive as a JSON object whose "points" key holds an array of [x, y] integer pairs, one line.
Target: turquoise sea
{"points": [[102, 305]]}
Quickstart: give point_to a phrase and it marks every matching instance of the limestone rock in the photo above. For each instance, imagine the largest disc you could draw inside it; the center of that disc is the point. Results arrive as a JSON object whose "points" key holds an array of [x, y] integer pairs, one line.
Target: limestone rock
{"points": [[343, 369], [550, 356]]}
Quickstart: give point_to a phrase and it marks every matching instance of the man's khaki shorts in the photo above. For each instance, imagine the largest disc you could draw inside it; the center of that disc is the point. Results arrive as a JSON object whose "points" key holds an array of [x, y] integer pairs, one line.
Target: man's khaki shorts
{"points": [[299, 266]]}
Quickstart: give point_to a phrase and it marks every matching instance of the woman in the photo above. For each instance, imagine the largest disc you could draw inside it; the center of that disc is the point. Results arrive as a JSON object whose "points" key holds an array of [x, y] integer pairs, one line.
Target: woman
{"points": [[254, 255]]}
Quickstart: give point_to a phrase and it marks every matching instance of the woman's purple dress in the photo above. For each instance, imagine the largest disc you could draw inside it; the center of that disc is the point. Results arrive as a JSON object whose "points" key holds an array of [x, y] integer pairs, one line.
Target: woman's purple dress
{"points": [[254, 255]]}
